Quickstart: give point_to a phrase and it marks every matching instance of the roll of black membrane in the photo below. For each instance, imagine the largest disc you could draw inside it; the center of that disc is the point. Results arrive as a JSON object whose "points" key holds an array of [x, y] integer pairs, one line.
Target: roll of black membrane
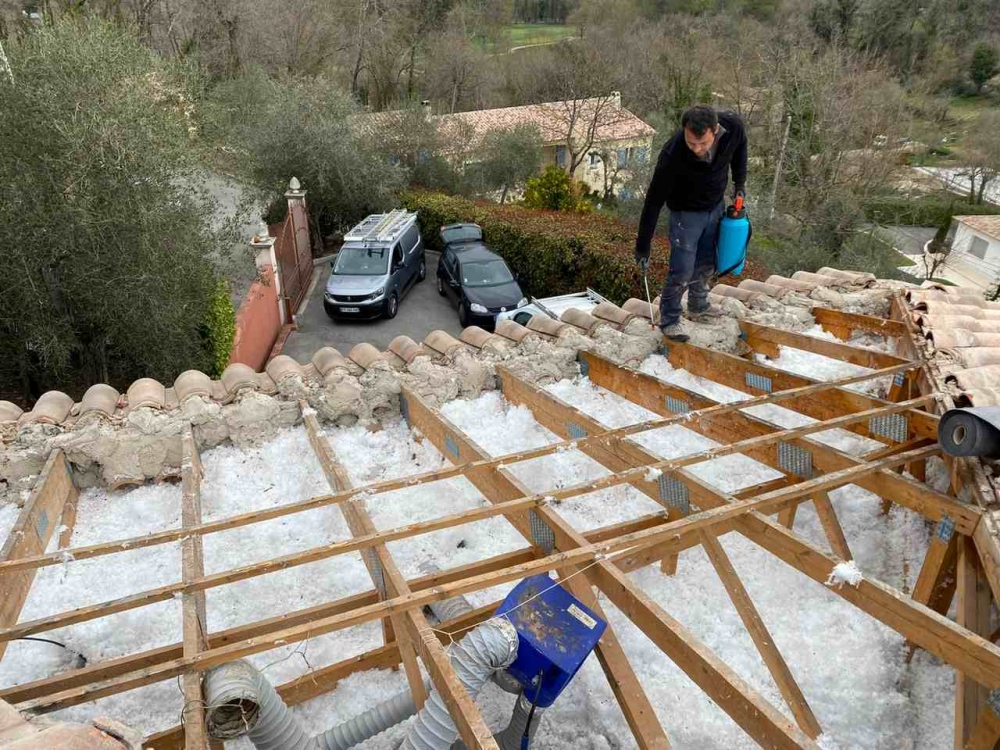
{"points": [[974, 431]]}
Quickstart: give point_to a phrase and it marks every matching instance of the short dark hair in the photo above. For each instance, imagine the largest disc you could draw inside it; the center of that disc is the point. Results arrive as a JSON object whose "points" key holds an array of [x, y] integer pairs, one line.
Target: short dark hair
{"points": [[700, 118]]}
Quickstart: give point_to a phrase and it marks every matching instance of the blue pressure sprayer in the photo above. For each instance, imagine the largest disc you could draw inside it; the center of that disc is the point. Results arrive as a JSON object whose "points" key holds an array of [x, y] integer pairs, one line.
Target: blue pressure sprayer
{"points": [[735, 231]]}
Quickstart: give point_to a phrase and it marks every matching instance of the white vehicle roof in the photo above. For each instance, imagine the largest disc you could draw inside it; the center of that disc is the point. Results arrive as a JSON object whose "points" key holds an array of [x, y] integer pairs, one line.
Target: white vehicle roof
{"points": [[554, 307]]}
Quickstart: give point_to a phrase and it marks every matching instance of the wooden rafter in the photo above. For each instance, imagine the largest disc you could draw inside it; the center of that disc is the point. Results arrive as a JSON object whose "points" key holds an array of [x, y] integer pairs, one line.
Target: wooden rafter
{"points": [[767, 341], [842, 323], [193, 612]]}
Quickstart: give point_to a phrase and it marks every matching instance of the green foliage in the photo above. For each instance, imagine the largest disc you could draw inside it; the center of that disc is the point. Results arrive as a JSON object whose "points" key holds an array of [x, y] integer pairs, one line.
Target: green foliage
{"points": [[553, 252], [926, 211], [220, 328], [555, 190], [107, 239], [313, 131], [985, 64], [507, 159]]}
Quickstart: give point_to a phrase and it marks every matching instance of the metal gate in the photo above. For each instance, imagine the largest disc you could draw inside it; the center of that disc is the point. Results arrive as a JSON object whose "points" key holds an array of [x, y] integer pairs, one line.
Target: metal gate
{"points": [[294, 256]]}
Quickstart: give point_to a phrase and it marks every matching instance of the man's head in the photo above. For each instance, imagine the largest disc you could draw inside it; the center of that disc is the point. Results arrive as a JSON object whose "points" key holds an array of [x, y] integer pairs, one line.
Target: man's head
{"points": [[701, 126]]}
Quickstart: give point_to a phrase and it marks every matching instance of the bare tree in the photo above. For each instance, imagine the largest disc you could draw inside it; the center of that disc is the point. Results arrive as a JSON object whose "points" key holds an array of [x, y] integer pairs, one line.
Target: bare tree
{"points": [[455, 69], [984, 156]]}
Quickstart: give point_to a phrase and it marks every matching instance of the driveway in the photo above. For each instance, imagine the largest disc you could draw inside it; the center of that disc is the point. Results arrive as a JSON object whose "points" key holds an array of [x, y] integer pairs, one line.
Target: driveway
{"points": [[908, 240], [421, 311]]}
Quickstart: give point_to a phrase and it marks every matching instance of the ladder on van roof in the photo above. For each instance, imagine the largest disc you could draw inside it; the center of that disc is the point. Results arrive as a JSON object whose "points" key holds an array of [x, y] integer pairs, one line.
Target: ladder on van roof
{"points": [[381, 227]]}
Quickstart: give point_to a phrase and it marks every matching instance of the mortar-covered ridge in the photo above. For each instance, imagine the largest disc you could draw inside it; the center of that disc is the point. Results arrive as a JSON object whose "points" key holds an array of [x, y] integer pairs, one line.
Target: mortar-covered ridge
{"points": [[101, 398], [611, 313]]}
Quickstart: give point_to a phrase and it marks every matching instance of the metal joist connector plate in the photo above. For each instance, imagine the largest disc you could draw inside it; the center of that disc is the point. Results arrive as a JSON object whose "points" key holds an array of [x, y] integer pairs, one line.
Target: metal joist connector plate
{"points": [[451, 445], [900, 377], [676, 405], [541, 534], [375, 566], [795, 460], [674, 494], [993, 699], [575, 431], [42, 525], [896, 427], [946, 528], [760, 382]]}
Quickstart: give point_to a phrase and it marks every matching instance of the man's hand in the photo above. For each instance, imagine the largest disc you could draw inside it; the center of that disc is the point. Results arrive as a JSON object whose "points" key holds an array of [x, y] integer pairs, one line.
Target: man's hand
{"points": [[739, 192], [643, 261]]}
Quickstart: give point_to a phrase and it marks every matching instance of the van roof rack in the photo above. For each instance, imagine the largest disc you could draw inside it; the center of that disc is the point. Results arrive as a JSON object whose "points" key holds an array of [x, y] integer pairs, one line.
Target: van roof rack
{"points": [[381, 227]]}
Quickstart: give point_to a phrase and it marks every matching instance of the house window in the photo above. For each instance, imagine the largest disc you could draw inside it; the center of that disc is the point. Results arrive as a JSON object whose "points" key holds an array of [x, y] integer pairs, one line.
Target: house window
{"points": [[979, 247], [622, 158], [642, 154], [595, 160], [561, 156]]}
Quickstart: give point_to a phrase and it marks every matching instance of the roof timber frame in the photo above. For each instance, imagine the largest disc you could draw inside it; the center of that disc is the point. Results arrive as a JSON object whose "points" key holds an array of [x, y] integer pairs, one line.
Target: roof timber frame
{"points": [[603, 556]]}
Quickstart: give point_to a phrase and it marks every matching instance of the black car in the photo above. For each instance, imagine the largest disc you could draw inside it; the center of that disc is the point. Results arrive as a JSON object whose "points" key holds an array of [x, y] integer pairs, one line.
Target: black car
{"points": [[475, 278]]}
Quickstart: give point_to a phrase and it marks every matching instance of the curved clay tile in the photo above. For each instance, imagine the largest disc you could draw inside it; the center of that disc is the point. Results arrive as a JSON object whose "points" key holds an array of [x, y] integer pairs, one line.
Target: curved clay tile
{"points": [[638, 307], [976, 377], [146, 392], [393, 360], [475, 336], [365, 355], [743, 295], [237, 376], [545, 324], [858, 278], [584, 321], [956, 321], [192, 383], [944, 308], [327, 359], [9, 412], [513, 331], [282, 367], [768, 290], [53, 407], [441, 341], [100, 398], [820, 280], [613, 314], [977, 356], [406, 348], [798, 286]]}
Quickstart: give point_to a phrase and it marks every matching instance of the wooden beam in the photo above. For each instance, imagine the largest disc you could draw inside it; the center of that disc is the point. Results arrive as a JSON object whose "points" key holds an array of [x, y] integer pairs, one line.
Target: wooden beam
{"points": [[410, 626], [31, 533], [987, 732], [193, 615], [767, 340], [936, 581], [497, 488], [733, 371], [834, 319], [762, 639], [831, 526], [381, 567], [974, 614], [279, 511]]}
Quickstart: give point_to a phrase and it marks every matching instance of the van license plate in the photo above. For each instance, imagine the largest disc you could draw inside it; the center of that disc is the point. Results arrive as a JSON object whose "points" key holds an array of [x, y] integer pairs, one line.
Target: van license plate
{"points": [[350, 309]]}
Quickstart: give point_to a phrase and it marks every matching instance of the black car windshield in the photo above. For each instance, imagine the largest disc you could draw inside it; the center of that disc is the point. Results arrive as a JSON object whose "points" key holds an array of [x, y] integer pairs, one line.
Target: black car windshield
{"points": [[486, 273], [466, 233], [362, 261]]}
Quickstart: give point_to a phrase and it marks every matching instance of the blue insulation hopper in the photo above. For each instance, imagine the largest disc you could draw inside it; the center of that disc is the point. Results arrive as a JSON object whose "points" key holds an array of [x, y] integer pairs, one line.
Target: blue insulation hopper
{"points": [[556, 634]]}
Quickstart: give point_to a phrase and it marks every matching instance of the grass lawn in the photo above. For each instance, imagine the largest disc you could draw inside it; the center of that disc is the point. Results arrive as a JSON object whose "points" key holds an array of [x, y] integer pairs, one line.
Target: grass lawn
{"points": [[539, 33]]}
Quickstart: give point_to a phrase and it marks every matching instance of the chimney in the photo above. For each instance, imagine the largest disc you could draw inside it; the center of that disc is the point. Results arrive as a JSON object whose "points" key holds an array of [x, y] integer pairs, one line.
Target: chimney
{"points": [[616, 97], [425, 105]]}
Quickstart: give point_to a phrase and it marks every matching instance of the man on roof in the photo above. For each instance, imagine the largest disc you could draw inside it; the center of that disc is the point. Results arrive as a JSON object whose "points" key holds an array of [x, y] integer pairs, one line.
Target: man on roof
{"points": [[691, 175]]}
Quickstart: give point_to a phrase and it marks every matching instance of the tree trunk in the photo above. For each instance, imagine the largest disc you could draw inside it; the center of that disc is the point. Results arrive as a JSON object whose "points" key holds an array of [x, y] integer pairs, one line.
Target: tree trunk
{"points": [[503, 195], [972, 186], [409, 75], [983, 182]]}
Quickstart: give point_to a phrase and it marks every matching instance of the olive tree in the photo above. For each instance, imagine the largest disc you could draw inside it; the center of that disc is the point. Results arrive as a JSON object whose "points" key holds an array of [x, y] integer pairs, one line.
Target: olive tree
{"points": [[107, 237]]}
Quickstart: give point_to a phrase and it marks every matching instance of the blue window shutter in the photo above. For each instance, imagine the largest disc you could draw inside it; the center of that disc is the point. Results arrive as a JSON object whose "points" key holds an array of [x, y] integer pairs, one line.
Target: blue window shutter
{"points": [[622, 158], [561, 156], [643, 154]]}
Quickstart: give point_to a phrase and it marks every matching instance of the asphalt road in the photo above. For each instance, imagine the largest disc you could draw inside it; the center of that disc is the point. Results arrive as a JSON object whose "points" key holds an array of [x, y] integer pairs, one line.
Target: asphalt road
{"points": [[908, 240], [421, 311]]}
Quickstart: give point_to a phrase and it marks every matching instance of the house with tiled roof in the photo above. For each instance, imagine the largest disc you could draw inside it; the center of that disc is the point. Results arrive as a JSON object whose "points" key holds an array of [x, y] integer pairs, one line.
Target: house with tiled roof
{"points": [[607, 131], [975, 249]]}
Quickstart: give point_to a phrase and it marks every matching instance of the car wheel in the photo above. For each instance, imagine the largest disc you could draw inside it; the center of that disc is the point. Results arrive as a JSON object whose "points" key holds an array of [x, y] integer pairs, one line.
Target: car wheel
{"points": [[463, 315], [392, 306], [441, 290], [422, 273]]}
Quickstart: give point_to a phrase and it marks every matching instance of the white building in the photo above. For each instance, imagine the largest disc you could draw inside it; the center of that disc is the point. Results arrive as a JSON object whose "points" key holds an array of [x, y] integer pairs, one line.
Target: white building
{"points": [[975, 249]]}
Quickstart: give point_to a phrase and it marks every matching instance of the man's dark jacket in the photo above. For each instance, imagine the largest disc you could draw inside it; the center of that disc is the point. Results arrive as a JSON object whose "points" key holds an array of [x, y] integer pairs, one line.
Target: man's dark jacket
{"points": [[684, 182]]}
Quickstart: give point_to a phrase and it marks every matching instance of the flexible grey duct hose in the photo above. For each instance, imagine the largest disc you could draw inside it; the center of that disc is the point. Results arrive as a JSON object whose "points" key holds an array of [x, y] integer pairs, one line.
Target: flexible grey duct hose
{"points": [[510, 738], [389, 713], [491, 646], [241, 701], [971, 432]]}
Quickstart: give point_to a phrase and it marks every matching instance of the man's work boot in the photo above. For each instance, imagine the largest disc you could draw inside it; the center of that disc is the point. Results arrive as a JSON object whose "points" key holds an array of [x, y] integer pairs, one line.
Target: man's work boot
{"points": [[675, 332], [707, 314]]}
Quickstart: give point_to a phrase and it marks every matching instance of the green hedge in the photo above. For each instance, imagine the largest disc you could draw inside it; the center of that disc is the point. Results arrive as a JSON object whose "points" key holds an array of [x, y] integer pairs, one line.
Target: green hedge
{"points": [[553, 252], [930, 211], [220, 328]]}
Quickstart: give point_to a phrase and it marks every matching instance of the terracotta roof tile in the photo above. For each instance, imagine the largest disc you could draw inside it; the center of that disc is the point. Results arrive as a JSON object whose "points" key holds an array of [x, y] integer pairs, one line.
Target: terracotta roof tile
{"points": [[989, 225], [146, 392]]}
